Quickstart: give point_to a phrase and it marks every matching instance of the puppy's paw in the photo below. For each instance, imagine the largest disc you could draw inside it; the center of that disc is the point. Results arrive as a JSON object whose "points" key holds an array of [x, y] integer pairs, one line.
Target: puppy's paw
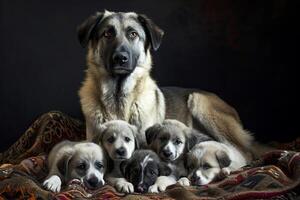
{"points": [[184, 181], [153, 189], [53, 183], [124, 186], [225, 171]]}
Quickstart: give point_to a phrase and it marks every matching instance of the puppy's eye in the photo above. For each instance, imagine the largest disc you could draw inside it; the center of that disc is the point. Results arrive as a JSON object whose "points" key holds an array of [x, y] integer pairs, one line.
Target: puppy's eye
{"points": [[127, 139], [98, 165], [177, 142], [206, 166], [152, 172], [133, 34], [81, 166], [110, 139]]}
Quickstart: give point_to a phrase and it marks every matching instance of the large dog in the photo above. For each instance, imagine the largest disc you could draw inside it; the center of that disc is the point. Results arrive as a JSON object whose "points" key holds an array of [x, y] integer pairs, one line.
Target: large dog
{"points": [[118, 83]]}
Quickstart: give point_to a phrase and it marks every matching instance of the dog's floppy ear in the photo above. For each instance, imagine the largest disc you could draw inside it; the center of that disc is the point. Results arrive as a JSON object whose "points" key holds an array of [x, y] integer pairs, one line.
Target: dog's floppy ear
{"points": [[194, 137], [153, 32], [223, 158], [87, 28], [164, 169], [99, 135], [63, 163], [152, 132]]}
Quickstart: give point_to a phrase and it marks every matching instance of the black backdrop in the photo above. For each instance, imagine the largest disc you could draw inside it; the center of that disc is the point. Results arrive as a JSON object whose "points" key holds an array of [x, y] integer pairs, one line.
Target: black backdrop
{"points": [[244, 51]]}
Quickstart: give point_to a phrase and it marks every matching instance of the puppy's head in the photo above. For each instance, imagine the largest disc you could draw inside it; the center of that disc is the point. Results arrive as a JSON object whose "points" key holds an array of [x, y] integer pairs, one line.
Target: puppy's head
{"points": [[118, 138], [119, 42], [86, 163], [172, 138], [143, 168], [205, 162]]}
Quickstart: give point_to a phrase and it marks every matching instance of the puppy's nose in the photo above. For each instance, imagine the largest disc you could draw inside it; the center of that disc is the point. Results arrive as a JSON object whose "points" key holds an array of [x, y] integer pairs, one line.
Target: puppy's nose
{"points": [[195, 179], [120, 58], [121, 151], [140, 189], [93, 181], [167, 153]]}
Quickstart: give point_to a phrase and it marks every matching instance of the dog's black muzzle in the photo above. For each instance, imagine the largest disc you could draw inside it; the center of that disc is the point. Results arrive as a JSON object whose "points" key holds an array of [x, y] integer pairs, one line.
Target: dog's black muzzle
{"points": [[122, 61]]}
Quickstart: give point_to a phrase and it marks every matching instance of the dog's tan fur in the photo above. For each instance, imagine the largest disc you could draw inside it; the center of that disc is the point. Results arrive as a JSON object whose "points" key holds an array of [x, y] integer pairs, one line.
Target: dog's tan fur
{"points": [[143, 103]]}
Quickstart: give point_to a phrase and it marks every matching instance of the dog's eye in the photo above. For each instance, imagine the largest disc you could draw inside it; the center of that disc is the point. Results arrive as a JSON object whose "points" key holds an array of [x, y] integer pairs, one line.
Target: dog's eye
{"points": [[111, 139], [177, 142], [152, 172], [81, 166], [206, 166], [133, 34], [108, 33], [127, 139], [98, 165]]}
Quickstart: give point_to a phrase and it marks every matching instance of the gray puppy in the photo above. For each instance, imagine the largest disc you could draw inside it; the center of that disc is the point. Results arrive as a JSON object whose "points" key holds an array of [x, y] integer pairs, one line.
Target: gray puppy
{"points": [[171, 140], [68, 160], [119, 140]]}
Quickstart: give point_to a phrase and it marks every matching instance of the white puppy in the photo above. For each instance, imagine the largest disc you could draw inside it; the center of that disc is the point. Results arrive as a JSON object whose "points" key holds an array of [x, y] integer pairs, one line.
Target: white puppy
{"points": [[207, 160], [68, 160], [119, 141]]}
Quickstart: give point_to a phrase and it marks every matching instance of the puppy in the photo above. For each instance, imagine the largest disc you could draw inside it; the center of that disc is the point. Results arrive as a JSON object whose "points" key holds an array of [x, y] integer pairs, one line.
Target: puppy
{"points": [[119, 141], [171, 140], [68, 160], [207, 160], [143, 169]]}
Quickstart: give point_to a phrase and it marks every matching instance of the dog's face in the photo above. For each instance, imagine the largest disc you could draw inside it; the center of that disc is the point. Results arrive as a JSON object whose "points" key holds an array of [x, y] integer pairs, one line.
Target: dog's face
{"points": [[205, 162], [172, 138], [87, 164], [143, 168], [119, 41], [118, 138]]}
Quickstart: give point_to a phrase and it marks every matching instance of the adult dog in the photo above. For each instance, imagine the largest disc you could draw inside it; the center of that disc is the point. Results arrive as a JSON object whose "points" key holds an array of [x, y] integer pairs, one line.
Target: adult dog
{"points": [[118, 83]]}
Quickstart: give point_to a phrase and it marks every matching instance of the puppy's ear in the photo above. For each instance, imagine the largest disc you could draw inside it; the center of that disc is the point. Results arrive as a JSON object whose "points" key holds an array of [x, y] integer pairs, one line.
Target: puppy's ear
{"points": [[194, 137], [88, 28], [223, 158], [135, 134], [63, 164], [153, 32], [164, 169], [98, 136], [152, 132]]}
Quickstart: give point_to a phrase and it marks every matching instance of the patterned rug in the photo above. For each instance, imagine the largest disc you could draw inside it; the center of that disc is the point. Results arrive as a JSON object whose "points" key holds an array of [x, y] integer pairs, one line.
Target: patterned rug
{"points": [[276, 175]]}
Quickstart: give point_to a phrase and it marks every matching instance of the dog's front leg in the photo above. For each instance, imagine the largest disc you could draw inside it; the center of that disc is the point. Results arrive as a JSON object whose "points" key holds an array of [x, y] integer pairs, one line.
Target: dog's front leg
{"points": [[161, 183], [121, 184], [184, 181]]}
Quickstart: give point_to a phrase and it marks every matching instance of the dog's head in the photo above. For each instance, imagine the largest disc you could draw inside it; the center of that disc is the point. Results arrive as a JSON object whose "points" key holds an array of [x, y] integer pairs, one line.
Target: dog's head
{"points": [[172, 138], [205, 162], [143, 168], [119, 42], [118, 138], [86, 163]]}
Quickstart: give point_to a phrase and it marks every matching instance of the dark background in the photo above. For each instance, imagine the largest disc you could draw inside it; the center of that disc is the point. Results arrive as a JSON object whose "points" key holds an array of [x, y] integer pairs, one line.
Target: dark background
{"points": [[244, 51]]}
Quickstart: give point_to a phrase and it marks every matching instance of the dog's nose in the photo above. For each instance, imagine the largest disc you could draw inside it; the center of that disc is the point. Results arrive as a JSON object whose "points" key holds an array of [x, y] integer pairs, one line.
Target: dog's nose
{"points": [[140, 189], [120, 58], [121, 151], [195, 179], [93, 181], [167, 153]]}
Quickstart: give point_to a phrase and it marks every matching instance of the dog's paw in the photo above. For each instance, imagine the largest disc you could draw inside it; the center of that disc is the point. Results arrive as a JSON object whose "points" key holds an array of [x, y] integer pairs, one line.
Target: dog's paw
{"points": [[184, 181], [124, 186], [225, 171], [153, 189], [53, 183]]}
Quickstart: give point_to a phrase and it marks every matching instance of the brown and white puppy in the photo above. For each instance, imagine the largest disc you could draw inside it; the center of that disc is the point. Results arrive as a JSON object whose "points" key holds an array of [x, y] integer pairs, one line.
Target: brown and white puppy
{"points": [[118, 84], [208, 160], [119, 140], [68, 160], [143, 169], [171, 140]]}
